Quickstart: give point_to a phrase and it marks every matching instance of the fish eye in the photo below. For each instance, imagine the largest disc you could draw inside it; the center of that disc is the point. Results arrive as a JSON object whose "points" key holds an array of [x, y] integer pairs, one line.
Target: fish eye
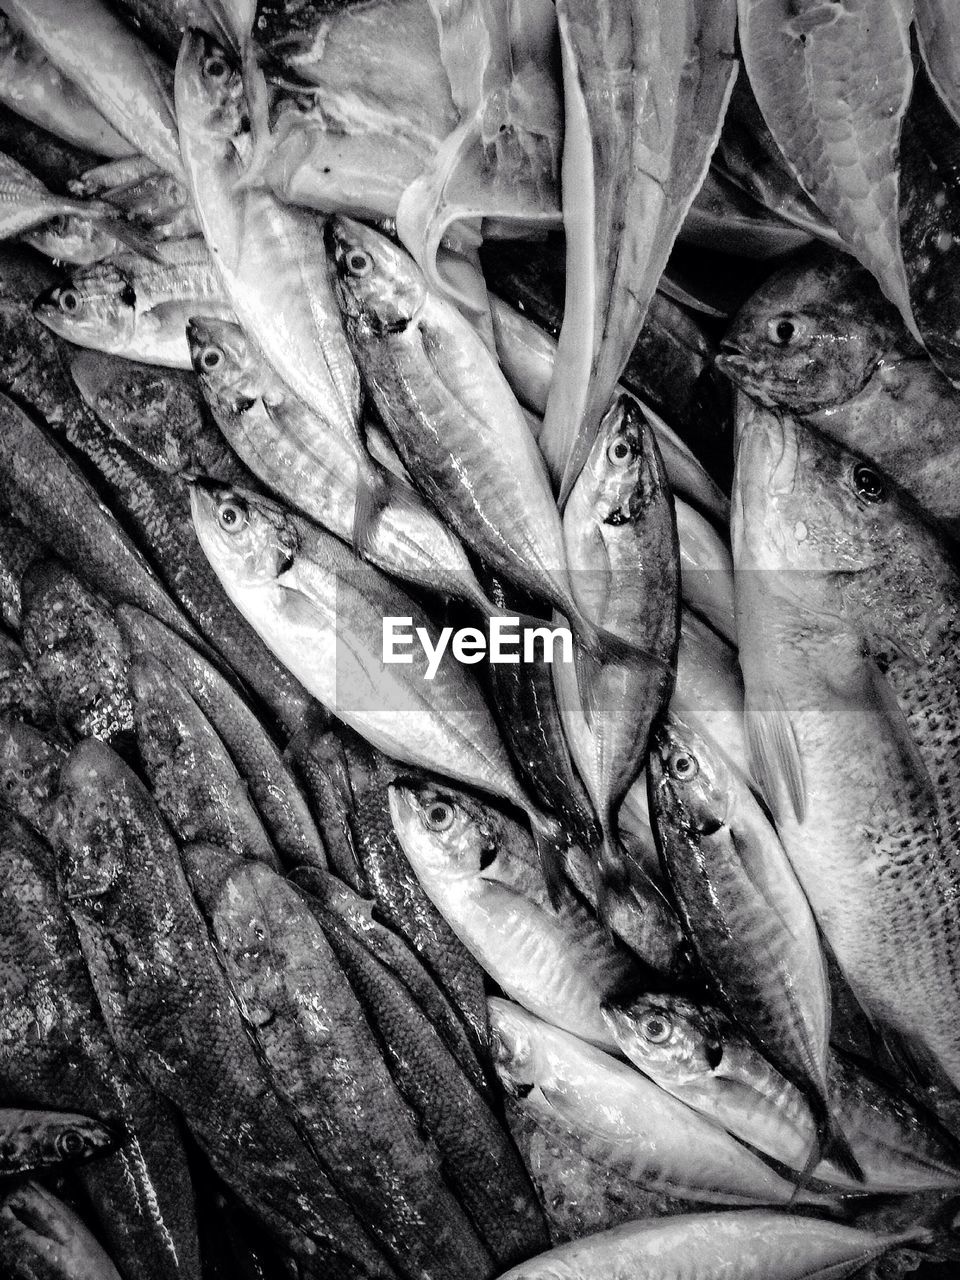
{"points": [[68, 300], [232, 515], [438, 816], [359, 263], [656, 1027], [781, 330], [619, 452], [211, 358], [683, 766], [868, 484], [215, 67], [70, 1144]]}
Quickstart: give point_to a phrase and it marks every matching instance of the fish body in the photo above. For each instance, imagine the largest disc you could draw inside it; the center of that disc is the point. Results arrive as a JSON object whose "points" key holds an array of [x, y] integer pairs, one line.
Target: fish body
{"points": [[25, 202], [691, 1050], [850, 605], [940, 45], [30, 764], [622, 1120], [42, 1239], [326, 1063], [557, 963], [167, 1004], [18, 550], [31, 1140], [24, 697]]}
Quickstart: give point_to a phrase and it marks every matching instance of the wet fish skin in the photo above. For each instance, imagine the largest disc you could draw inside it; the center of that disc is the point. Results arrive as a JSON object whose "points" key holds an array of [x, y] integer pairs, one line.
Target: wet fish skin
{"points": [[476, 1154], [690, 1049], [53, 160], [55, 1052], [30, 764], [194, 782], [23, 696], [557, 962], [326, 1064], [18, 550], [621, 1120], [273, 788], [849, 639], [26, 203], [42, 1239], [167, 1005], [31, 1140]]}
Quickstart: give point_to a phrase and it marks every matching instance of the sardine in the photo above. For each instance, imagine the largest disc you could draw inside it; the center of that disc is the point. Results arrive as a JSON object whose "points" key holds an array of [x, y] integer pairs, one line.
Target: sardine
{"points": [[42, 1239], [556, 962], [619, 1119]]}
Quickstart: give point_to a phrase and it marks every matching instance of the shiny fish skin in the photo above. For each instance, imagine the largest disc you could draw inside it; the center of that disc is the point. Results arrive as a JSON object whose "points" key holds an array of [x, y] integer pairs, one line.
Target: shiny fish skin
{"points": [[18, 550], [26, 204], [31, 1140], [53, 160], [326, 1065], [30, 766], [42, 1239], [23, 694], [273, 788], [55, 1051], [168, 1005], [194, 782]]}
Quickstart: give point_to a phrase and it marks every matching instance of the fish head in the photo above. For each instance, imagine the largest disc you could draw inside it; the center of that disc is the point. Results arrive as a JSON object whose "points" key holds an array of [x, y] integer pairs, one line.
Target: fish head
{"points": [[29, 769], [512, 1046], [67, 1139], [669, 1037], [811, 337], [95, 306], [623, 475], [209, 94], [87, 829], [225, 363], [243, 535], [252, 931], [75, 239], [444, 837], [689, 779], [379, 286]]}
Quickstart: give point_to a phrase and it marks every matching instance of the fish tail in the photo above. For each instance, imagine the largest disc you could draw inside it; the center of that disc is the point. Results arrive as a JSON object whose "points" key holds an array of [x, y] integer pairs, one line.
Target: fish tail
{"points": [[375, 492], [551, 842], [610, 872], [832, 1143]]}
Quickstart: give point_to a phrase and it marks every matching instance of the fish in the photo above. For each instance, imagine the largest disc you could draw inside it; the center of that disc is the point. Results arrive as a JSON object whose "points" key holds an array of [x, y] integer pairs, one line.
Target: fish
{"points": [[455, 423], [193, 780], [163, 22], [168, 1006], [939, 44], [55, 162], [26, 203], [273, 788], [53, 498], [317, 469], [18, 550], [620, 535], [23, 696], [32, 1140], [725, 217], [42, 1239], [692, 1051], [30, 763], [745, 911], [155, 203], [254, 238], [135, 307], [131, 87], [796, 57], [55, 1052], [556, 962], [620, 1120], [846, 610], [33, 87], [820, 341], [71, 638], [326, 1064], [644, 99], [749, 1244], [302, 589], [706, 570]]}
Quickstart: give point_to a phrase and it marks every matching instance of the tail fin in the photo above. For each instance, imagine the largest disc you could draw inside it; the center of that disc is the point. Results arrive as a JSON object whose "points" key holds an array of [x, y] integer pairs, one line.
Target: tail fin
{"points": [[374, 493], [833, 1143], [611, 871], [551, 842]]}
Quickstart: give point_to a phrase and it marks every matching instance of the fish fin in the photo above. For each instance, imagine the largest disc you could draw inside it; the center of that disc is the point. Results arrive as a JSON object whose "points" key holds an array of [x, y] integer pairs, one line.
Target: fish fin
{"points": [[133, 238], [833, 1144], [373, 495], [611, 873], [551, 841], [901, 734], [774, 754], [587, 669]]}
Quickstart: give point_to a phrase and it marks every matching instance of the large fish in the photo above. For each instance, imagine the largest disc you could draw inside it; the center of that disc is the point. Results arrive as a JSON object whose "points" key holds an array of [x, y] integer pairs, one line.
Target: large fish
{"points": [[322, 613], [326, 1064], [31, 1140], [557, 962], [691, 1050], [168, 1006], [848, 608], [42, 1239], [620, 1119], [55, 1051], [833, 84], [131, 87], [620, 535], [645, 90], [819, 340]]}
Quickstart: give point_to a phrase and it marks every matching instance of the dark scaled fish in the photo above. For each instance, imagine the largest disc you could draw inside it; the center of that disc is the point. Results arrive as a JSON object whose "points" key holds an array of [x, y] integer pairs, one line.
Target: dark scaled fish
{"points": [[194, 782], [326, 1065], [168, 1006], [71, 638], [31, 1140], [55, 161], [273, 788], [23, 694], [55, 1052], [42, 1239], [476, 1154], [18, 550], [30, 764]]}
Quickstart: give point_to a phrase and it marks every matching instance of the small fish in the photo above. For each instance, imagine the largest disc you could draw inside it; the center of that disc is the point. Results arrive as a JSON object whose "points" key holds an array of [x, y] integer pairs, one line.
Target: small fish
{"points": [[26, 203], [619, 1120], [24, 697], [31, 1140], [42, 1239], [30, 764], [556, 962], [693, 1052], [736, 1245], [940, 46]]}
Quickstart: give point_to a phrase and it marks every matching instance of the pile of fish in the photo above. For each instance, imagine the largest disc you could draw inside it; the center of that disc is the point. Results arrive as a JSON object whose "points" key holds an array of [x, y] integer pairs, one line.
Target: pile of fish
{"points": [[479, 639]]}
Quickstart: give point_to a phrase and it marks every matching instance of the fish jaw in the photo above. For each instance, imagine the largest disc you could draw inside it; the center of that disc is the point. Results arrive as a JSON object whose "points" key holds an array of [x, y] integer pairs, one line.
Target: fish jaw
{"points": [[378, 286]]}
